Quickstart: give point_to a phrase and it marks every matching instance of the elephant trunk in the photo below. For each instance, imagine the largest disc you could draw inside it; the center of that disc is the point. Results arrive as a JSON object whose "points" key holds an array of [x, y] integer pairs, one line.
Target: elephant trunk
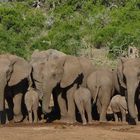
{"points": [[46, 101], [131, 89]]}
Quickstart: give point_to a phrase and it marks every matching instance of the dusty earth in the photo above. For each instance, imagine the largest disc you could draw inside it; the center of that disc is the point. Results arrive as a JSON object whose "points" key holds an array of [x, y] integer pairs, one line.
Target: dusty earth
{"points": [[60, 131]]}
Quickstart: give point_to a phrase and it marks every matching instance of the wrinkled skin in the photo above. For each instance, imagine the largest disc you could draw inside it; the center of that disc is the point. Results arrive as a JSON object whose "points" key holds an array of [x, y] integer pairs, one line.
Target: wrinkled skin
{"points": [[101, 85], [66, 72], [118, 104], [82, 98], [32, 102], [129, 77], [14, 73]]}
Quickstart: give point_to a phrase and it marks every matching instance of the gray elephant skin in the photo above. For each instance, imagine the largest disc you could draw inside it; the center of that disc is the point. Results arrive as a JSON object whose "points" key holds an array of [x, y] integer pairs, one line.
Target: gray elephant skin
{"points": [[63, 74], [82, 98], [118, 105], [129, 77], [31, 100], [101, 86], [14, 73]]}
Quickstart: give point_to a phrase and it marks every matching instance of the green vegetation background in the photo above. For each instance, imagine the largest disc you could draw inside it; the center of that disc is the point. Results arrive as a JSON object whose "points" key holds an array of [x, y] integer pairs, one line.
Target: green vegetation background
{"points": [[69, 26]]}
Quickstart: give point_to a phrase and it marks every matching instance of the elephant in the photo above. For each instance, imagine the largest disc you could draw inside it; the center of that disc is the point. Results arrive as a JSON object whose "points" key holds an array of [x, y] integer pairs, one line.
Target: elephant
{"points": [[38, 59], [14, 75], [101, 85], [62, 76], [31, 100], [82, 98], [118, 104], [128, 71]]}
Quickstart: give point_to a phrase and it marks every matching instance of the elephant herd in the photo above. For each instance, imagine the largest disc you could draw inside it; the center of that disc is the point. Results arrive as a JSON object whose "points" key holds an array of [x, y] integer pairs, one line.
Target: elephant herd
{"points": [[73, 82]]}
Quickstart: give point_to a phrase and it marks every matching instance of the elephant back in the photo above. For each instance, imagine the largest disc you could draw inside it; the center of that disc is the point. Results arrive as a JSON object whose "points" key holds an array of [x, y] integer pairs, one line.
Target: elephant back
{"points": [[41, 56]]}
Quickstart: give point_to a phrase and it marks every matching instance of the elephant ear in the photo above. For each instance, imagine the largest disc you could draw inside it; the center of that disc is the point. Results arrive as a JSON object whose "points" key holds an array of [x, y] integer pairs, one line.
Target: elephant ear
{"points": [[21, 70], [72, 69], [120, 72]]}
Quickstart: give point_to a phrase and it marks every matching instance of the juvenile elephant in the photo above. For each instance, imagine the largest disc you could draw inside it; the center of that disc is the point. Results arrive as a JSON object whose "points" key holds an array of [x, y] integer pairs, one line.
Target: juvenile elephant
{"points": [[101, 85], [82, 98], [118, 104], [32, 102], [128, 71], [14, 73]]}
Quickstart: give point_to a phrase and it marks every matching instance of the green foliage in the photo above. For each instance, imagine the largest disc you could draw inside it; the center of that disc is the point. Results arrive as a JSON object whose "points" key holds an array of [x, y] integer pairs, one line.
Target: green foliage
{"points": [[69, 26], [18, 24]]}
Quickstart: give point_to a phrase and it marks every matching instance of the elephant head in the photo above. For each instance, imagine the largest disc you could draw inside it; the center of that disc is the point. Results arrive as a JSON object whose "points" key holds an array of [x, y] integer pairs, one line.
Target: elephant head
{"points": [[38, 60], [13, 70], [129, 77]]}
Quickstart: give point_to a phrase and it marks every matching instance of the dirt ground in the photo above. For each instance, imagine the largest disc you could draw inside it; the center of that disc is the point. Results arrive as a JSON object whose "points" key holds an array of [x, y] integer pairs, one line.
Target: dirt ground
{"points": [[60, 131]]}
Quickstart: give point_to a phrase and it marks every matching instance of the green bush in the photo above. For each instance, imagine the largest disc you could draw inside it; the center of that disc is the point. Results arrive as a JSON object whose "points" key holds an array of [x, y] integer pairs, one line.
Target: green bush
{"points": [[18, 24], [70, 26]]}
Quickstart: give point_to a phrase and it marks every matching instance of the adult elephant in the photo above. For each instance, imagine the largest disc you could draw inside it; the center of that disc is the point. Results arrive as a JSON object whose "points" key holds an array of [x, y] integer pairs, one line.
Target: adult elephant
{"points": [[64, 75], [129, 77], [38, 59], [14, 73], [101, 85]]}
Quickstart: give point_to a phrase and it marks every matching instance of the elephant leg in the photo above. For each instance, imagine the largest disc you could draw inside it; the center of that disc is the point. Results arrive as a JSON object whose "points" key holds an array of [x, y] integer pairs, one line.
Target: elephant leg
{"points": [[116, 117], [99, 106], [123, 113], [71, 105], [17, 107], [105, 100], [35, 116], [7, 121], [103, 114], [88, 111], [2, 109], [62, 105], [2, 113], [30, 116], [123, 117], [80, 107]]}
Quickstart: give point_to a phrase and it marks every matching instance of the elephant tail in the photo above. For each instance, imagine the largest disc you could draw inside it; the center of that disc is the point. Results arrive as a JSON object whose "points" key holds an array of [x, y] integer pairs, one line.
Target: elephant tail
{"points": [[96, 94]]}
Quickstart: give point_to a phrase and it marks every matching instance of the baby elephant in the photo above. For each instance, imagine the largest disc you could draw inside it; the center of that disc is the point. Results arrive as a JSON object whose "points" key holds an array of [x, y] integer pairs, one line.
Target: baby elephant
{"points": [[118, 104], [82, 98], [32, 103]]}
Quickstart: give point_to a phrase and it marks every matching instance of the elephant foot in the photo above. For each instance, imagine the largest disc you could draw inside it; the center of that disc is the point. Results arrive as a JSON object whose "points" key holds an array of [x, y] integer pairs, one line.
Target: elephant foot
{"points": [[124, 122], [2, 117], [42, 121], [90, 122], [18, 118], [71, 121], [132, 121], [7, 122], [103, 120], [67, 120], [84, 123], [25, 120], [63, 119], [35, 121]]}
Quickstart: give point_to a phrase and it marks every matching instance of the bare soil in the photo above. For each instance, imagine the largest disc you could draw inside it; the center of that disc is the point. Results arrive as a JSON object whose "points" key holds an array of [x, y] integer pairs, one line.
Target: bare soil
{"points": [[61, 131]]}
